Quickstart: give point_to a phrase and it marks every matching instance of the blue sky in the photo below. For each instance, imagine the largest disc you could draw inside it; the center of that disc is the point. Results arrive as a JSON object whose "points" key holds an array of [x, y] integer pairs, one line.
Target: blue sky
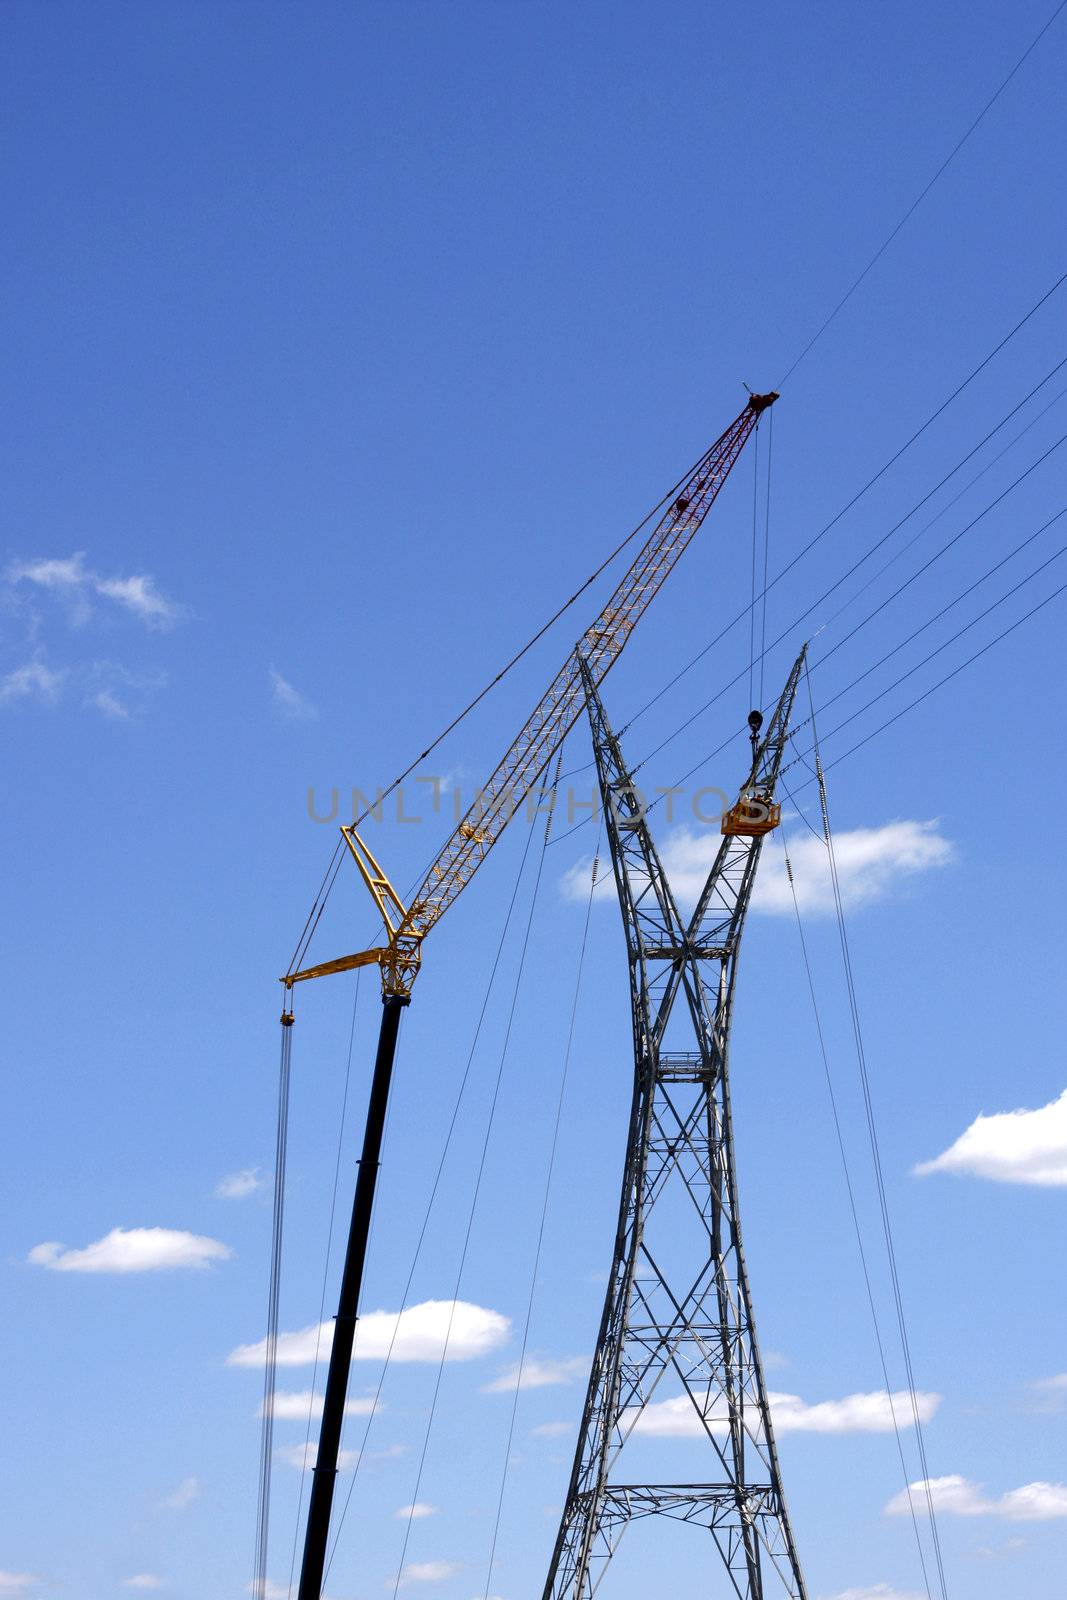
{"points": [[342, 342]]}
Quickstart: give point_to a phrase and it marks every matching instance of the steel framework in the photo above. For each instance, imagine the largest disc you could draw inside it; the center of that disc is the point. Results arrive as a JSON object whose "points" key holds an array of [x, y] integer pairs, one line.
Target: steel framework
{"points": [[677, 1350]]}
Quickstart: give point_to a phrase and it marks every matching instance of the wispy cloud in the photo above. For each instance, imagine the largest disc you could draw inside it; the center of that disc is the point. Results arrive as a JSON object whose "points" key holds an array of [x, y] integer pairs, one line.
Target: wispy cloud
{"points": [[551, 1430], [417, 1334], [133, 1250], [959, 1497], [876, 1591], [871, 863], [429, 1571], [143, 1580], [33, 681], [184, 1495], [678, 1417], [535, 1374], [115, 691], [1050, 1393], [419, 1509], [239, 1185], [105, 686], [70, 579], [295, 1405], [18, 1582], [289, 702], [304, 1456], [1011, 1147]]}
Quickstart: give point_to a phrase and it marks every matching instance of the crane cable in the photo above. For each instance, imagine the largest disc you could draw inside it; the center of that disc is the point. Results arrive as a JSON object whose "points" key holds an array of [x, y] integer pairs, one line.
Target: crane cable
{"points": [[752, 602], [330, 877], [850, 1189], [266, 1452], [915, 204], [534, 639], [872, 1132], [725, 743], [479, 1174], [767, 553], [318, 906], [550, 1173], [434, 1188]]}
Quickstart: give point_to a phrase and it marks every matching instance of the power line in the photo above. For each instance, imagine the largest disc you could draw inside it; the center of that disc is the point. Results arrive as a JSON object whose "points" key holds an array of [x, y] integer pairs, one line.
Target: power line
{"points": [[541, 1227], [1056, 555], [678, 676], [434, 1188], [490, 1122], [706, 706], [953, 153], [946, 679], [853, 1208], [872, 1132]]}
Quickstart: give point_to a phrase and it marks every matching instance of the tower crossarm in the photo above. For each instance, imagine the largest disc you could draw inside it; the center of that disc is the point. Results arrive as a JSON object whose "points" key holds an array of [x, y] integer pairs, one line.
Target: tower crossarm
{"points": [[714, 928]]}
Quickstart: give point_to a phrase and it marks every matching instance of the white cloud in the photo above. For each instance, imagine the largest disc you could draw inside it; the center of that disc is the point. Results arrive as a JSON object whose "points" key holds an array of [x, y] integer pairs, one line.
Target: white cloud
{"points": [[551, 1430], [1011, 1147], [305, 1456], [17, 1582], [108, 703], [33, 681], [115, 691], [239, 1185], [870, 863], [877, 1591], [418, 1509], [289, 702], [292, 1405], [856, 1413], [140, 595], [535, 1374], [1051, 1393], [184, 1495], [268, 1589], [958, 1496], [995, 1552], [420, 1334], [133, 1250], [76, 584], [428, 1571], [143, 1580]]}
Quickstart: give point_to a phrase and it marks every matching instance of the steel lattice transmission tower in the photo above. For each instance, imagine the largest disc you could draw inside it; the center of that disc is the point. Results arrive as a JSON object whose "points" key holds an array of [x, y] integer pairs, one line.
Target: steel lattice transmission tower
{"points": [[677, 1349]]}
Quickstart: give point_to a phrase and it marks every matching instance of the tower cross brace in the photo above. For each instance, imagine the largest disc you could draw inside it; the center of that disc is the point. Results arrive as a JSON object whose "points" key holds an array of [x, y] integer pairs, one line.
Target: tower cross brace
{"points": [[677, 1349]]}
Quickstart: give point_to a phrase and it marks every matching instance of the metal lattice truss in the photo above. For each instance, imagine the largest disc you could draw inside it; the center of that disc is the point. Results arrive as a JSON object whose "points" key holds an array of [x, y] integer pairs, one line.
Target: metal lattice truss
{"points": [[677, 1350], [528, 755]]}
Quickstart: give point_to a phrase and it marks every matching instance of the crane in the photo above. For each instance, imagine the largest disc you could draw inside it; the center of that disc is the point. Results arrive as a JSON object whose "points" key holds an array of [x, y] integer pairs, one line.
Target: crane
{"points": [[406, 926]]}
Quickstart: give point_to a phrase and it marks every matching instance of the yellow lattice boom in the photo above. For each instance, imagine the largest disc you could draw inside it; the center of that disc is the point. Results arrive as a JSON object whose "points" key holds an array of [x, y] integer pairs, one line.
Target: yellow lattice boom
{"points": [[527, 757]]}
